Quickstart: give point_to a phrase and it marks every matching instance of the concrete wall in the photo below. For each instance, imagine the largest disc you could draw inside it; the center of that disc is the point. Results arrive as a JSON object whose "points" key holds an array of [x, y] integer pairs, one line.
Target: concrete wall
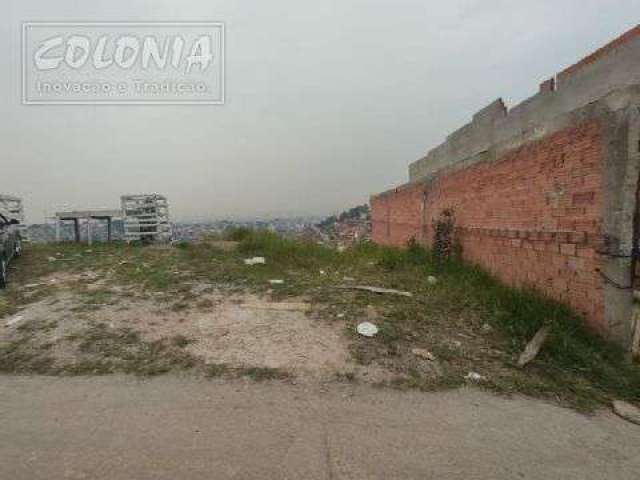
{"points": [[544, 194], [613, 67]]}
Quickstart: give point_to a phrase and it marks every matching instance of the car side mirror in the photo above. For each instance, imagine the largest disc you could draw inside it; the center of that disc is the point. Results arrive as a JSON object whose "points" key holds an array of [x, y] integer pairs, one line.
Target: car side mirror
{"points": [[14, 221]]}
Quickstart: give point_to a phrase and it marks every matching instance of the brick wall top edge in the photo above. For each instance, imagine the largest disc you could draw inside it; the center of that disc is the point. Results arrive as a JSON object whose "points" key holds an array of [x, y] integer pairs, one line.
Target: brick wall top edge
{"points": [[405, 187], [586, 86], [601, 52]]}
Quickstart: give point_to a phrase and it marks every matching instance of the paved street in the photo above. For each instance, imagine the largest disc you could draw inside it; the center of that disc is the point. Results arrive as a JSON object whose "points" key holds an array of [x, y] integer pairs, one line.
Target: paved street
{"points": [[178, 428]]}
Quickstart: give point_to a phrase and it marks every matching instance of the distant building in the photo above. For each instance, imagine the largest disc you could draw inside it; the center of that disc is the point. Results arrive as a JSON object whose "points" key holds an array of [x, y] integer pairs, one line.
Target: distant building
{"points": [[146, 218], [12, 207]]}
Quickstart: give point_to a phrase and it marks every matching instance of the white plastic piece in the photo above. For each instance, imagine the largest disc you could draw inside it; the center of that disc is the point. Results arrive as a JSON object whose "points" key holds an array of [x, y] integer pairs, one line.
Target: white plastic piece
{"points": [[255, 261], [474, 377], [367, 329]]}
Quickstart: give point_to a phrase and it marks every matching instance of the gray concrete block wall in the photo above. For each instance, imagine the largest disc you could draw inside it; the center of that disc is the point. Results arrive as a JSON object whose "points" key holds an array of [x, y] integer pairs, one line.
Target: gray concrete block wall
{"points": [[617, 69]]}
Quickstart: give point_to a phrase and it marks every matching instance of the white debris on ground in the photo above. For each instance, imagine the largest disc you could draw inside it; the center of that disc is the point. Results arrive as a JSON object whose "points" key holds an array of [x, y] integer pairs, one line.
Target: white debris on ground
{"points": [[276, 282], [431, 280], [424, 354], [533, 347], [474, 377], [382, 291], [255, 261], [201, 288], [367, 329], [14, 320], [628, 411]]}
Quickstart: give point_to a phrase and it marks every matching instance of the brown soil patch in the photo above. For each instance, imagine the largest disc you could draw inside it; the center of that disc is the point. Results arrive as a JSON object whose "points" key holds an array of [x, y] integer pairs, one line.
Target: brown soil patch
{"points": [[239, 330]]}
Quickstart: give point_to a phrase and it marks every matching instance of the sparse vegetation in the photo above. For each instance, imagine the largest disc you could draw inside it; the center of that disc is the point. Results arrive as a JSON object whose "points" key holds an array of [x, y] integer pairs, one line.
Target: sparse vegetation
{"points": [[181, 341], [213, 370], [468, 320], [261, 374]]}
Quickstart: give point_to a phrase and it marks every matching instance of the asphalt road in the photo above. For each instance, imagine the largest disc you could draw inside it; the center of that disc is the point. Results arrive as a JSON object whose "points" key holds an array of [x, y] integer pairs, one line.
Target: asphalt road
{"points": [[179, 428]]}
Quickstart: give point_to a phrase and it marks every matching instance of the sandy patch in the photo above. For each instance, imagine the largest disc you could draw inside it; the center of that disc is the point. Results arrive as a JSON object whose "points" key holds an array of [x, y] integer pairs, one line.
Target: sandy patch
{"points": [[240, 330], [276, 335]]}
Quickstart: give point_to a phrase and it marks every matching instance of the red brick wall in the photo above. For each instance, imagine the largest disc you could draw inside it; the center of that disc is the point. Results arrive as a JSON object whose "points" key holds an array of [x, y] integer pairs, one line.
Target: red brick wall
{"points": [[398, 215], [532, 217]]}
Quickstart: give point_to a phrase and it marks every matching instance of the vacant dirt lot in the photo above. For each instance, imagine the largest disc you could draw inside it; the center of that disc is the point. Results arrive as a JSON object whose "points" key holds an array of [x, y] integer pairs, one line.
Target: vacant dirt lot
{"points": [[200, 309], [236, 330]]}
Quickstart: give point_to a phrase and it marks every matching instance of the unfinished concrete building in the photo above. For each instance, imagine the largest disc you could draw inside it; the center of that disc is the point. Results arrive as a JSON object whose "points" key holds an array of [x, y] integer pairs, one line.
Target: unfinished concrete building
{"points": [[12, 207], [146, 218], [544, 194], [86, 217]]}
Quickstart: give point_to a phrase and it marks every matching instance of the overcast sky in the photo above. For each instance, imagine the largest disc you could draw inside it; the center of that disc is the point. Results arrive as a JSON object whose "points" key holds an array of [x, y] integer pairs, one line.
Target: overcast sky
{"points": [[326, 101]]}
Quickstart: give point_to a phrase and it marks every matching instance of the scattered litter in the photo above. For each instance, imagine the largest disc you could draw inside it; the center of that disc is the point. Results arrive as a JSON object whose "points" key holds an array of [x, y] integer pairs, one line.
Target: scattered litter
{"points": [[322, 272], [626, 410], [201, 288], [367, 329], [348, 279], [124, 262], [486, 327], [475, 377], [33, 285], [389, 291], [340, 315], [533, 347], [431, 280], [14, 320], [277, 306], [424, 354], [276, 282], [255, 261], [51, 259]]}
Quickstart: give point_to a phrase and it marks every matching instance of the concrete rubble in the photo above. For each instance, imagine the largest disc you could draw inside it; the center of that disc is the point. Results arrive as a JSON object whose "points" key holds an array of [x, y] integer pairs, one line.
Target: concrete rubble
{"points": [[626, 410], [533, 347]]}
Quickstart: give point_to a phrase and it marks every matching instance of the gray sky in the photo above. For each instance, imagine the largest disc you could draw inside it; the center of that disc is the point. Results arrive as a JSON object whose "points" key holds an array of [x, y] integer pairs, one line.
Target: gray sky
{"points": [[326, 101]]}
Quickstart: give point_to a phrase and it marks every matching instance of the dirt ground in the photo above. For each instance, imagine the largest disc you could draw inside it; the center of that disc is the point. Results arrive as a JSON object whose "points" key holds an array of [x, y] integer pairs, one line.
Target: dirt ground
{"points": [[238, 330], [199, 309]]}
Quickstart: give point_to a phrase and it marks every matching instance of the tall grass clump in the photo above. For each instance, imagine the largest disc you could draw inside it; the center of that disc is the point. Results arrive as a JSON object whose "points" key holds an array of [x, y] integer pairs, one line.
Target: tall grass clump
{"points": [[571, 348], [285, 251]]}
